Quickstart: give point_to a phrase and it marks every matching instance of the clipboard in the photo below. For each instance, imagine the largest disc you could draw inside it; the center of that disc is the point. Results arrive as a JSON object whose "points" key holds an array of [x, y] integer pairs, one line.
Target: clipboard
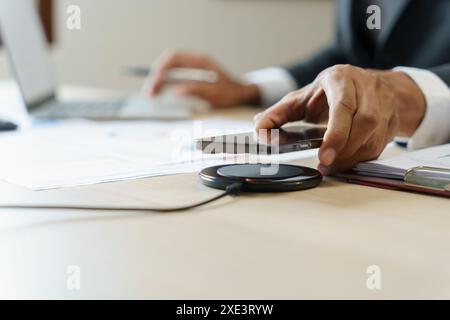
{"points": [[429, 178]]}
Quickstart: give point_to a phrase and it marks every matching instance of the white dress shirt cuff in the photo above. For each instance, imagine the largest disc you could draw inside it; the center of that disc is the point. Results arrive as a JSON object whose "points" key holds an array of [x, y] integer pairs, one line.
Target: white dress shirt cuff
{"points": [[435, 126], [273, 83]]}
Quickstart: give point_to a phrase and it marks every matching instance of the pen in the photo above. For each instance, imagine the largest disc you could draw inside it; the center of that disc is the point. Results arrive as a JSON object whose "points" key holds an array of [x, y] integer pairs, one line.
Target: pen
{"points": [[176, 74]]}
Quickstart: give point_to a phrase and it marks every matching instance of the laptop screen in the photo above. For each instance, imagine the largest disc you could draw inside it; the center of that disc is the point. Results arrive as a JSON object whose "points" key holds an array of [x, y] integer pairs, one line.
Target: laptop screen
{"points": [[24, 38]]}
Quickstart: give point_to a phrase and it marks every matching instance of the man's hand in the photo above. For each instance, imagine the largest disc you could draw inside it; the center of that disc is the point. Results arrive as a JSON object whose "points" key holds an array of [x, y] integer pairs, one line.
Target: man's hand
{"points": [[364, 109], [227, 92]]}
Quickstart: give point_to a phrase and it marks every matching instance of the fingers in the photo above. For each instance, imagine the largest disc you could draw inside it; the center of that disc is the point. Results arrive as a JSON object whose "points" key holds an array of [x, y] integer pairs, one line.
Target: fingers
{"points": [[370, 150], [341, 95], [317, 108], [204, 91], [218, 95], [362, 129], [170, 60], [364, 123], [290, 108], [374, 124], [342, 165]]}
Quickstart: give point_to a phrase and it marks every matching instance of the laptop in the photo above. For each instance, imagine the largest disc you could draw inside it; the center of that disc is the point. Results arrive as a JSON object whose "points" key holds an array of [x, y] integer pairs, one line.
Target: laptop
{"points": [[23, 36]]}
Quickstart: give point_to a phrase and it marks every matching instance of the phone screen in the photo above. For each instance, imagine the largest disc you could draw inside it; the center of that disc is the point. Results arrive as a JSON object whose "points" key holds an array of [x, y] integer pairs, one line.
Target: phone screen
{"points": [[288, 139]]}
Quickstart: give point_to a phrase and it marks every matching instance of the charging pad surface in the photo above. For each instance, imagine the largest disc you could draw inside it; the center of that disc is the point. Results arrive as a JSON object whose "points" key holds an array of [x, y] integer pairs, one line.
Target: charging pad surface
{"points": [[261, 177], [251, 171]]}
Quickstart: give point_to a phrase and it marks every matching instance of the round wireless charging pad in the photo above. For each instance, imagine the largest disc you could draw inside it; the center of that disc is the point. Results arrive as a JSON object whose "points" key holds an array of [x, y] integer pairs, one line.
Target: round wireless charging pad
{"points": [[261, 177]]}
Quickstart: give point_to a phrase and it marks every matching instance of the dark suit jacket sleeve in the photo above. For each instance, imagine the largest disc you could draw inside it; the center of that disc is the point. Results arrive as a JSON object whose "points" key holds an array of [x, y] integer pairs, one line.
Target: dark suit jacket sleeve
{"points": [[443, 72], [305, 72]]}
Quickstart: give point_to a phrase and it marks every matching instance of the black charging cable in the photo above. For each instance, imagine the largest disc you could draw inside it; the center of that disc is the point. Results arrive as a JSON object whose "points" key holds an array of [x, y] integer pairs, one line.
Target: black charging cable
{"points": [[232, 190]]}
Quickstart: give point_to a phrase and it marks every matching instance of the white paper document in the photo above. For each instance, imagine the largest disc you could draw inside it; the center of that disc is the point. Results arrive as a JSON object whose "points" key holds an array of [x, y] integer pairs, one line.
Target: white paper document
{"points": [[396, 168], [82, 152]]}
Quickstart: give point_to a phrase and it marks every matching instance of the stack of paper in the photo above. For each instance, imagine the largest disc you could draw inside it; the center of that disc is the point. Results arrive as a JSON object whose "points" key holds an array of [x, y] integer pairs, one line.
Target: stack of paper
{"points": [[83, 152], [396, 168]]}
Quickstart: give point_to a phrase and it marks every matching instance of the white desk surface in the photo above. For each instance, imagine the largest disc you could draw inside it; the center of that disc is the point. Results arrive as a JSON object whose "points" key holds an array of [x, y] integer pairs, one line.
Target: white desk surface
{"points": [[311, 244]]}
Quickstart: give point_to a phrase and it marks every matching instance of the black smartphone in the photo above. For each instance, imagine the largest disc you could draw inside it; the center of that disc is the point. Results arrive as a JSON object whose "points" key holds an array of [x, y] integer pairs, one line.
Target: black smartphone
{"points": [[288, 139]]}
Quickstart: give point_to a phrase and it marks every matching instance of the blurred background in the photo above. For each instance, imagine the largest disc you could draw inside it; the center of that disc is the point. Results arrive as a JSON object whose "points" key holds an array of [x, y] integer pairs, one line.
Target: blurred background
{"points": [[241, 34]]}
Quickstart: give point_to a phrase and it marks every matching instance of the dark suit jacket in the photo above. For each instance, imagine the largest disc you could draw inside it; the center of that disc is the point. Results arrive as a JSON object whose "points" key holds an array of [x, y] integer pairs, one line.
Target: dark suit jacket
{"points": [[418, 35]]}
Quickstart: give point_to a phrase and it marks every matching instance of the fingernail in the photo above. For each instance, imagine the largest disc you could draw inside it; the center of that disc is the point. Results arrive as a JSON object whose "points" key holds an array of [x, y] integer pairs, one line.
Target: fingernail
{"points": [[324, 170], [328, 156]]}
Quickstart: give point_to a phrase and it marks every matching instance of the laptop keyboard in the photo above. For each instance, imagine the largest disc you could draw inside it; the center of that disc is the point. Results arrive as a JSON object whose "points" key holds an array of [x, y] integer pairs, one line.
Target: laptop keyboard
{"points": [[81, 109]]}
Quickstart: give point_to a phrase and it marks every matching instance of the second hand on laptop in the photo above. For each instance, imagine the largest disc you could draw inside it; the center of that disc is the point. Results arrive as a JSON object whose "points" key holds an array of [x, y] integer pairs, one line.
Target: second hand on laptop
{"points": [[176, 74]]}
